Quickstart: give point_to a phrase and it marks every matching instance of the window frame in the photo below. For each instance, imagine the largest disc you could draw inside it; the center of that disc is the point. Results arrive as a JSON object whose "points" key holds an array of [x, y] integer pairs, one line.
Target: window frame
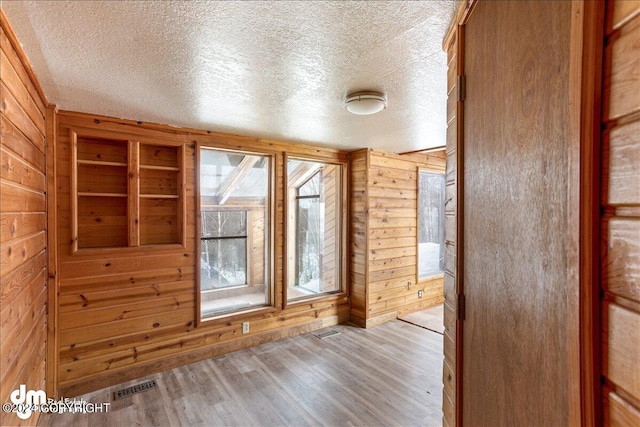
{"points": [[438, 275], [341, 234], [269, 231]]}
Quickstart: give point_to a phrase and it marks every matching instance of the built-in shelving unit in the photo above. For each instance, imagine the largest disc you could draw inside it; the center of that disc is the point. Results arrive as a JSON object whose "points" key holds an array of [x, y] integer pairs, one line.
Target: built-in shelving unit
{"points": [[160, 182], [126, 193]]}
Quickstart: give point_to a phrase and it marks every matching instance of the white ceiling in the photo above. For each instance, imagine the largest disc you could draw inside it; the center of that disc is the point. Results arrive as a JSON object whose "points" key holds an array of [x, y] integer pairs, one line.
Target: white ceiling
{"points": [[270, 69]]}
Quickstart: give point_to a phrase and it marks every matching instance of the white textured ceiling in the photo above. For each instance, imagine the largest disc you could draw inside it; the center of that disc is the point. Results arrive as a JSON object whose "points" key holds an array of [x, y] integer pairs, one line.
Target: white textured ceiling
{"points": [[269, 69]]}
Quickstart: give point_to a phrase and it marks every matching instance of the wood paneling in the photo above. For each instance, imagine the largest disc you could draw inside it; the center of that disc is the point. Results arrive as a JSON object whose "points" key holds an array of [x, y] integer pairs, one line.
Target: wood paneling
{"points": [[622, 84], [126, 312], [621, 347], [358, 235], [619, 412], [621, 165], [517, 143], [450, 286], [23, 216], [384, 191], [620, 221]]}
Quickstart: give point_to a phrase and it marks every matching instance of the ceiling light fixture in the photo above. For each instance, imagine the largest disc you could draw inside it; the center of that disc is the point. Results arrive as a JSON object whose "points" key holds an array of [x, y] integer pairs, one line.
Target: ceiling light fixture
{"points": [[365, 103]]}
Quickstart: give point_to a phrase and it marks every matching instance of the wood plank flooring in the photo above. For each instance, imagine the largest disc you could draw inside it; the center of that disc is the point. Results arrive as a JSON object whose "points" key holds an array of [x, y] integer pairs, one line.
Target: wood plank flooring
{"points": [[390, 375], [431, 318]]}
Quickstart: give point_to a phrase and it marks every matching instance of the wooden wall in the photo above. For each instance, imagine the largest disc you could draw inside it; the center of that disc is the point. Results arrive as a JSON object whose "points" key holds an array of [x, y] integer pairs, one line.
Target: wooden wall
{"points": [[127, 312], [384, 236], [519, 244], [620, 267], [330, 260], [23, 223], [358, 232]]}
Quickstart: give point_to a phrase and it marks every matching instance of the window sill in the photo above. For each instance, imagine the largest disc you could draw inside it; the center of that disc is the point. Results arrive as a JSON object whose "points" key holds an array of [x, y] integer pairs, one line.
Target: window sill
{"points": [[430, 277], [234, 316]]}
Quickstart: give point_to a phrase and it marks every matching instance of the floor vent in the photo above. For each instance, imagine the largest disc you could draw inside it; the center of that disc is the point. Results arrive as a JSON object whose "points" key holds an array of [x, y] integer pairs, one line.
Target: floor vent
{"points": [[134, 389], [326, 334]]}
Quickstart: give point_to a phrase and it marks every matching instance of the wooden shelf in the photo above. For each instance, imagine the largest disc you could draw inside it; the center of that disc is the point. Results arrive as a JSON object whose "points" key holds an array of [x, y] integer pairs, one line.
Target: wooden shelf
{"points": [[87, 194], [159, 196], [101, 163], [160, 168], [115, 180]]}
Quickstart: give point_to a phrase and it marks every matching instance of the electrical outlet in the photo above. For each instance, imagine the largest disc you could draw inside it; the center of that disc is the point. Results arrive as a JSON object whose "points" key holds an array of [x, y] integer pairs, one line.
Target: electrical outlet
{"points": [[245, 327], [420, 293]]}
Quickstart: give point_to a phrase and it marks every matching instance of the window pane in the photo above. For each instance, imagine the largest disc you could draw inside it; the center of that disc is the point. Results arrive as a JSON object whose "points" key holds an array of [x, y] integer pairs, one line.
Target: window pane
{"points": [[431, 224], [308, 235], [234, 249], [224, 224], [224, 263], [314, 228], [311, 187]]}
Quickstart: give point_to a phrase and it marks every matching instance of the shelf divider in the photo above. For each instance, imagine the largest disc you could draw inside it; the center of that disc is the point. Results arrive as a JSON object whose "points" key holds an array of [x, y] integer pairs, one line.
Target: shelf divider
{"points": [[134, 193], [101, 163]]}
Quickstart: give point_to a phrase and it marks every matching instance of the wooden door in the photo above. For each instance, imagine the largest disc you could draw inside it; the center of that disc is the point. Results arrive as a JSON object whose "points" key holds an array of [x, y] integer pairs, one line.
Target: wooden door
{"points": [[516, 241]]}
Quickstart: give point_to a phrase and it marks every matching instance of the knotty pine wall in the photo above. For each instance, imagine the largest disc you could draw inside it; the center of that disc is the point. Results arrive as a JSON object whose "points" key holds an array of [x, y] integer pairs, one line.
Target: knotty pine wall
{"points": [[383, 252], [128, 312], [23, 223], [620, 274]]}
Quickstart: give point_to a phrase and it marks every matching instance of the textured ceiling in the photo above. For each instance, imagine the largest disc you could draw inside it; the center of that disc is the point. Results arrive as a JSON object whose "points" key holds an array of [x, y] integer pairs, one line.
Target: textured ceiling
{"points": [[270, 69]]}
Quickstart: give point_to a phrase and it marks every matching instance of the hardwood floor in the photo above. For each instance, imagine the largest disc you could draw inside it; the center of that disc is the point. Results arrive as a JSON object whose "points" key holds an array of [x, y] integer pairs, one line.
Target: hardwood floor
{"points": [[431, 318], [387, 375]]}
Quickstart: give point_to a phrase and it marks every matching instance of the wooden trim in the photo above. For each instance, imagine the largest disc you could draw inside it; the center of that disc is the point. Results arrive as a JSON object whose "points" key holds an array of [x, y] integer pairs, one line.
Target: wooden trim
{"points": [[182, 192], [239, 314], [73, 141], [459, 374], [344, 228], [17, 47], [133, 194], [586, 92], [52, 253], [460, 19], [147, 131], [367, 245], [425, 151], [198, 235], [271, 253], [285, 231], [88, 129]]}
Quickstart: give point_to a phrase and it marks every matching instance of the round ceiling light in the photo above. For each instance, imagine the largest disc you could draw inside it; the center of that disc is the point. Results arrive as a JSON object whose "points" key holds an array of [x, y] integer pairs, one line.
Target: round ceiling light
{"points": [[365, 103]]}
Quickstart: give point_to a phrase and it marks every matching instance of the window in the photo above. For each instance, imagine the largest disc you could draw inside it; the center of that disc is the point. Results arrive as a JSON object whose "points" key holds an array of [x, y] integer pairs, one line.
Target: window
{"points": [[314, 230], [224, 246], [234, 231], [430, 223]]}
